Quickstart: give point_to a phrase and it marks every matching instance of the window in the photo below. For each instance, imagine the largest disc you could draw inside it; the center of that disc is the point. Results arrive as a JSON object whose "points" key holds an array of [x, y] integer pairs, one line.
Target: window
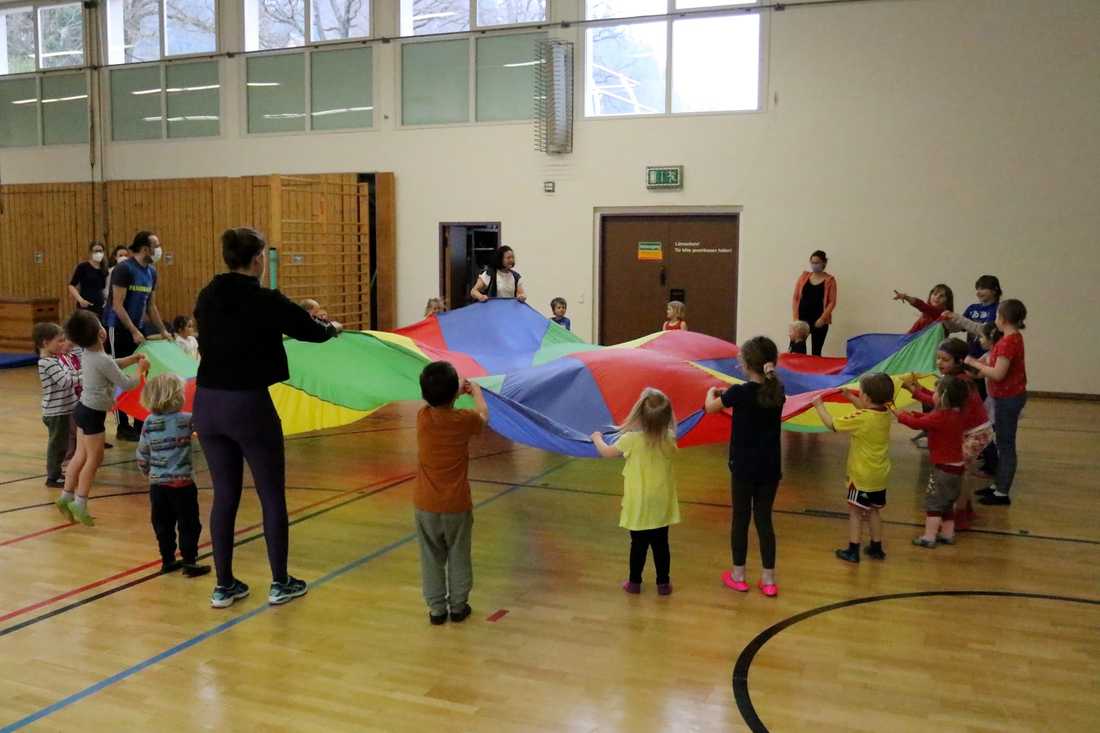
{"points": [[17, 39], [339, 95], [60, 36], [435, 79], [136, 98], [134, 29], [424, 17], [18, 112], [64, 109], [274, 24], [166, 100], [192, 99], [715, 59]]}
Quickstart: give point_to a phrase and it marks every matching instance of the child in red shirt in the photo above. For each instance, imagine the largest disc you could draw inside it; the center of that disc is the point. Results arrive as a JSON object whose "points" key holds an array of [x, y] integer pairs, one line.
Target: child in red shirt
{"points": [[977, 428], [945, 432], [940, 300], [1006, 379]]}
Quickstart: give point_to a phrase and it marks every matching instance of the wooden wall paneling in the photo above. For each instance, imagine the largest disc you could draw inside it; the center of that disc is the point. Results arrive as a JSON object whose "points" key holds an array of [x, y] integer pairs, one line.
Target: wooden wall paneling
{"points": [[385, 229]]}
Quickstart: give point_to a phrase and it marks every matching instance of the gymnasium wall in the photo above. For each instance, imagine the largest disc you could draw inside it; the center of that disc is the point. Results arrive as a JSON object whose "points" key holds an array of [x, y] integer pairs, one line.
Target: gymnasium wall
{"points": [[914, 140]]}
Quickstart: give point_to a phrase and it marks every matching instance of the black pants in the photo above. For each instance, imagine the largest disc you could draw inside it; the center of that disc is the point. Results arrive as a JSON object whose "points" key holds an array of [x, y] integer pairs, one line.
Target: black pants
{"points": [[753, 501], [57, 444], [122, 345], [235, 426], [172, 507], [817, 338], [640, 542]]}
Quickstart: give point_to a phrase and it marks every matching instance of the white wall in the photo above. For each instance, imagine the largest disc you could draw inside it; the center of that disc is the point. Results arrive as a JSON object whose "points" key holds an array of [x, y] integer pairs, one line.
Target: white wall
{"points": [[914, 140]]}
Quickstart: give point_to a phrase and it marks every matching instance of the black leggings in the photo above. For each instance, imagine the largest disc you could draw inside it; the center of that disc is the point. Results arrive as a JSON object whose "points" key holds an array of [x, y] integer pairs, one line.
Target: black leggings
{"points": [[753, 500], [234, 427], [640, 542]]}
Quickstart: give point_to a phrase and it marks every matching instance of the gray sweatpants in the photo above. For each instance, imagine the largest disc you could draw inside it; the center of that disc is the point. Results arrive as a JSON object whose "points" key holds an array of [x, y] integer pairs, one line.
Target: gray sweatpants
{"points": [[445, 567]]}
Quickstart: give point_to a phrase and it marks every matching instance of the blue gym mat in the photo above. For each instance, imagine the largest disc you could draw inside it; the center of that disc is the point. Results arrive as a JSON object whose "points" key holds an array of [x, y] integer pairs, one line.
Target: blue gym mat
{"points": [[9, 360]]}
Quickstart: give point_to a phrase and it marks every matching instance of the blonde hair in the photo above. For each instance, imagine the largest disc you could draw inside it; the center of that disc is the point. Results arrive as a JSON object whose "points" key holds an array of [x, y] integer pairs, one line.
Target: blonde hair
{"points": [[652, 415], [801, 327], [679, 310], [309, 304], [433, 303], [163, 393]]}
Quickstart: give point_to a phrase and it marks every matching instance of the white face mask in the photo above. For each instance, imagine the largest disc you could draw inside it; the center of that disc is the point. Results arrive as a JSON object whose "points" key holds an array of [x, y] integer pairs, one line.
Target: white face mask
{"points": [[157, 254], [97, 257]]}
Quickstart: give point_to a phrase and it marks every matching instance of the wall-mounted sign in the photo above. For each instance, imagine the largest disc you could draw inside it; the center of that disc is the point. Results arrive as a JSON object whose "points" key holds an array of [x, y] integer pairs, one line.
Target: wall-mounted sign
{"points": [[664, 177], [650, 252]]}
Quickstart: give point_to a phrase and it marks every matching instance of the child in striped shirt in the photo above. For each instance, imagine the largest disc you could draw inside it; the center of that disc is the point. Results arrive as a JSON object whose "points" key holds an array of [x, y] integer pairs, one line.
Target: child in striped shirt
{"points": [[59, 396]]}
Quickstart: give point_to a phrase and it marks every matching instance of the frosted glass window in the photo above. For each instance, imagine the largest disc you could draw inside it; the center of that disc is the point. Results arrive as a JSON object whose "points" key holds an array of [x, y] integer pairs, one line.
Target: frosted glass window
{"points": [[435, 82], [135, 103], [190, 26], [595, 9], [625, 69], [504, 12], [60, 36], [340, 90], [689, 4], [419, 17], [333, 20], [276, 93], [16, 40], [506, 76], [716, 64], [64, 109], [193, 99], [18, 113]]}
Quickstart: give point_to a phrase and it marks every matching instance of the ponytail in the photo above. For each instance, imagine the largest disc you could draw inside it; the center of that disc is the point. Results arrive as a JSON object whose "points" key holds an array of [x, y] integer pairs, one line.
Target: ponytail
{"points": [[761, 355]]}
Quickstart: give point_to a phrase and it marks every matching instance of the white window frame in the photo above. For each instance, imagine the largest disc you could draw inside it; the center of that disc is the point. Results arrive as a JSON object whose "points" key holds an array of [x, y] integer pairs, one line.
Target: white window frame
{"points": [[308, 89], [105, 36], [757, 7], [475, 26], [307, 43], [471, 55], [87, 106], [41, 136], [108, 108], [35, 8]]}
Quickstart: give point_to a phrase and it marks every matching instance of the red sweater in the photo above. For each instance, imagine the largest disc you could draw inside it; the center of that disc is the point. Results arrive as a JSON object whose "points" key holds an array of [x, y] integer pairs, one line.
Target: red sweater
{"points": [[973, 412], [929, 314], [945, 433]]}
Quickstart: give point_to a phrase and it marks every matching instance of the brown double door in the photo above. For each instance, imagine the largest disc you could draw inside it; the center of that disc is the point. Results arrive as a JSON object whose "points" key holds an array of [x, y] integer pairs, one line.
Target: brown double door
{"points": [[646, 261]]}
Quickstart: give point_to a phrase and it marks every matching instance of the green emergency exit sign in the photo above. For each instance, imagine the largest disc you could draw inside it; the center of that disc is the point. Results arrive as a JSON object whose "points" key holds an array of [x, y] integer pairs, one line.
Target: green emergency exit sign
{"points": [[663, 177]]}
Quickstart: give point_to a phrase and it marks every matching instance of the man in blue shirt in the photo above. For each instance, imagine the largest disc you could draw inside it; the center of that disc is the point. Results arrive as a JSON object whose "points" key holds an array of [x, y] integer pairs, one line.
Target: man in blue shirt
{"points": [[133, 285]]}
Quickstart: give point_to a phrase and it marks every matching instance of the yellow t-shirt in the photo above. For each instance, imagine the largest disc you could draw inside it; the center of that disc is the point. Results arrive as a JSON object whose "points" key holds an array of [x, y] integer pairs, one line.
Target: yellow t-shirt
{"points": [[649, 493], [869, 453]]}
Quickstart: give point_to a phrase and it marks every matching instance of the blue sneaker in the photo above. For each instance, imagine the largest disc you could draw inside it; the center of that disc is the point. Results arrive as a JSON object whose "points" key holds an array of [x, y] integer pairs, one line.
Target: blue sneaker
{"points": [[224, 597], [284, 592]]}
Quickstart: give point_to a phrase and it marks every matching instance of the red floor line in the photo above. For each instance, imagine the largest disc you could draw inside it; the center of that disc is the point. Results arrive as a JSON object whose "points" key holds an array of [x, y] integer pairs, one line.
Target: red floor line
{"points": [[145, 566], [39, 533]]}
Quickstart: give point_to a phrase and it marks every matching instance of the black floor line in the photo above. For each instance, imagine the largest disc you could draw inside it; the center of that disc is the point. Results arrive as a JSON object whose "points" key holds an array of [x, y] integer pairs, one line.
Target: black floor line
{"points": [[748, 654], [822, 514]]}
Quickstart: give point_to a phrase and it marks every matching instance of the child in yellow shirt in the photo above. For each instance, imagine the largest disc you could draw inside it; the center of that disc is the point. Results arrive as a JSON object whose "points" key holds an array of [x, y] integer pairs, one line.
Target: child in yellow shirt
{"points": [[868, 460], [650, 505]]}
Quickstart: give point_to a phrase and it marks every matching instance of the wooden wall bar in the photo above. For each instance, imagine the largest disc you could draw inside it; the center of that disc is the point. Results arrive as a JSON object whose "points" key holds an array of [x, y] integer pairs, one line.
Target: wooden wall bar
{"points": [[323, 219]]}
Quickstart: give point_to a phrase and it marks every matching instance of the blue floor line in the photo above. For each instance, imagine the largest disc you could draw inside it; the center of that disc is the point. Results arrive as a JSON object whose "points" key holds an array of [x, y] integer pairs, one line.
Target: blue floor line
{"points": [[185, 645]]}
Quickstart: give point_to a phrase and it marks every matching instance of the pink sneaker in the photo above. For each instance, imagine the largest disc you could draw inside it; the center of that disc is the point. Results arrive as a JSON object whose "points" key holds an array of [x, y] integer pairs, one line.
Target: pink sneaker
{"points": [[771, 591], [664, 589], [632, 587], [738, 585]]}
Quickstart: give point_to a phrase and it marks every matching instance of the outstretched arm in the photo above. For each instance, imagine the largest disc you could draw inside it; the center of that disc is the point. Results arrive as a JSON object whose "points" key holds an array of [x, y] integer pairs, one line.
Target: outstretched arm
{"points": [[605, 450], [712, 403], [826, 418]]}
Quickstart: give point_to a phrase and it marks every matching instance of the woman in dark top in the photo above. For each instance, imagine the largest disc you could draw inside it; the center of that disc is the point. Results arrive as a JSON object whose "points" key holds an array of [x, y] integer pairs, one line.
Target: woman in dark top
{"points": [[241, 327], [814, 301], [755, 459], [88, 284]]}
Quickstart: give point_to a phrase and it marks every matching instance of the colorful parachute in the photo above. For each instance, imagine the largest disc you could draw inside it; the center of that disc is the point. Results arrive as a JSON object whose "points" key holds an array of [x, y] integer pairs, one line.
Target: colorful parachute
{"points": [[544, 386]]}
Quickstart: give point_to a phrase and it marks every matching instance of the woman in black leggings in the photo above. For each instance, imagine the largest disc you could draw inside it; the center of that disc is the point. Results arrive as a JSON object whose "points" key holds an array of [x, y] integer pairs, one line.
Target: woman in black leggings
{"points": [[241, 327], [814, 301]]}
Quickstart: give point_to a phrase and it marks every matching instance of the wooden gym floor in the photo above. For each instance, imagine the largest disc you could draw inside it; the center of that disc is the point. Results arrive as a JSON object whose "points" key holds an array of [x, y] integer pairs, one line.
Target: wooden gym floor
{"points": [[999, 633]]}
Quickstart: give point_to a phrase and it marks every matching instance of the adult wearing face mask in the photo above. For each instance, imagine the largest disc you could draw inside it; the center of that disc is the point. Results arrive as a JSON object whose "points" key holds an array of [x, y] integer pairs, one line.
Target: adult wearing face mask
{"points": [[89, 281], [133, 286], [814, 300]]}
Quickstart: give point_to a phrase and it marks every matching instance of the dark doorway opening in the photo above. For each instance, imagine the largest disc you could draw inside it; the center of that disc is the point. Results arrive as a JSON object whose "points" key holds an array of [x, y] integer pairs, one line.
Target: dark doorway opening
{"points": [[465, 250]]}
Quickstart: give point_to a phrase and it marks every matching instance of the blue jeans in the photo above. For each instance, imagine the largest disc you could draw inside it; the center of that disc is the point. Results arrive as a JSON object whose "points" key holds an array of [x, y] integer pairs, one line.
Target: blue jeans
{"points": [[1006, 418]]}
